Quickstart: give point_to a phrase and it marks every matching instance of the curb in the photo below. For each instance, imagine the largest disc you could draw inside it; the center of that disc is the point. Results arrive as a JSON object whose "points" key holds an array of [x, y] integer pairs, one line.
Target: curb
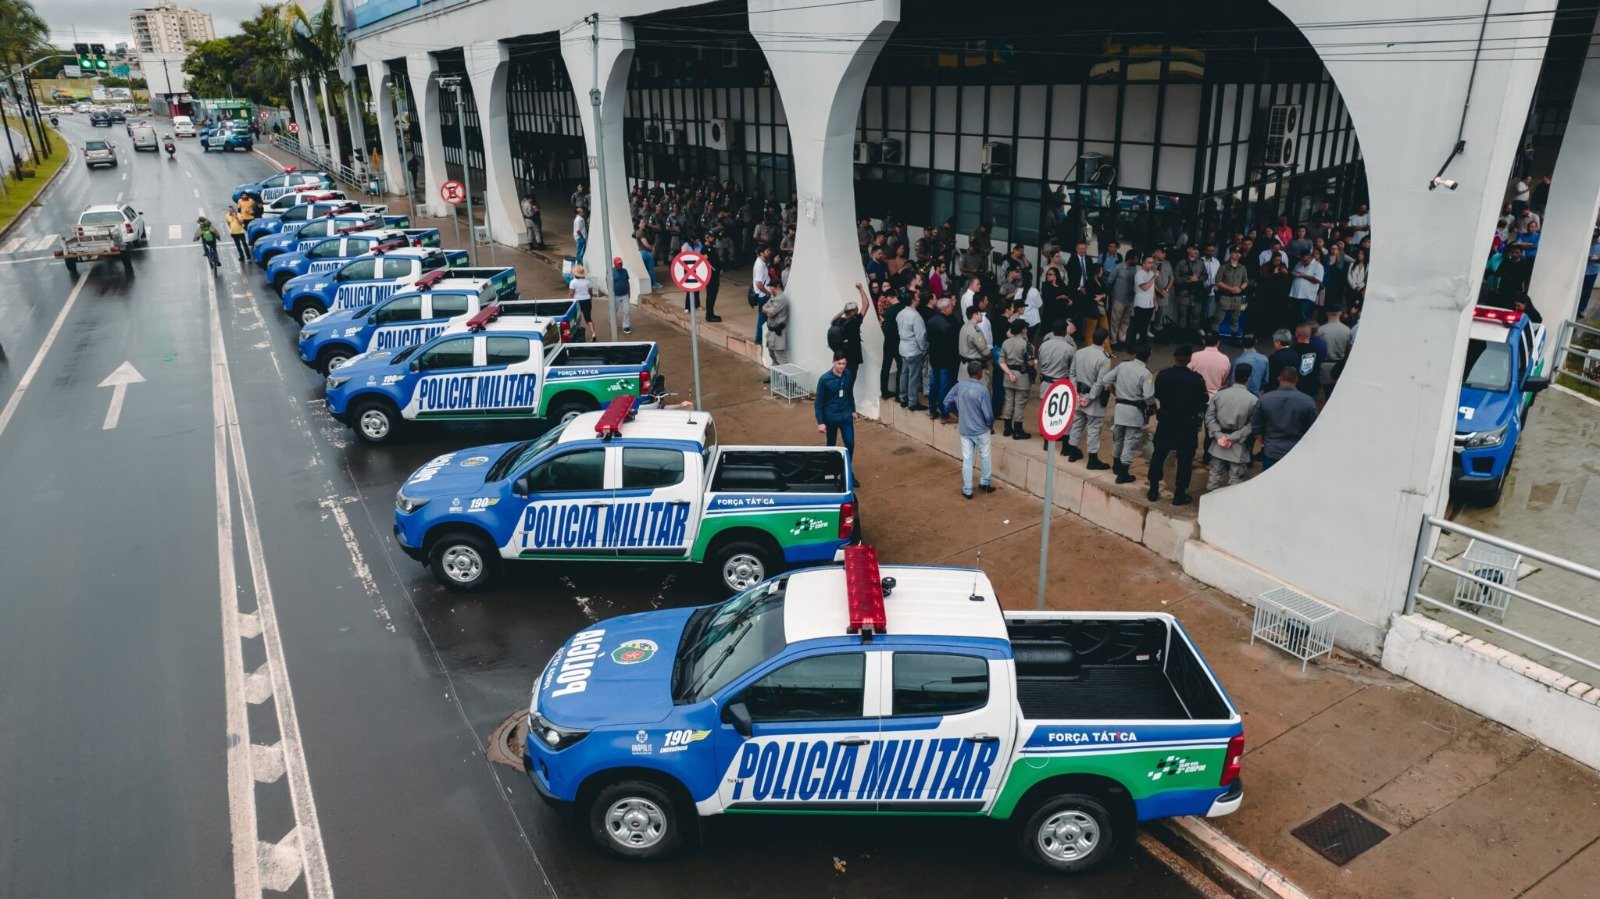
{"points": [[1243, 872], [43, 191]]}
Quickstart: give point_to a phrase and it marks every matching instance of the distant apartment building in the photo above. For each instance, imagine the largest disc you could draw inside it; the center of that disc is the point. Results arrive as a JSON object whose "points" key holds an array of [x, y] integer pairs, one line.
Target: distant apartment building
{"points": [[167, 28]]}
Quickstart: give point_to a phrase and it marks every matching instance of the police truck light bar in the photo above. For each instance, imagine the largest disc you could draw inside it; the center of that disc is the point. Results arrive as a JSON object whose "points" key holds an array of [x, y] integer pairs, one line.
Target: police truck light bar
{"points": [[617, 412], [485, 315], [427, 281], [382, 248], [864, 591], [1507, 317]]}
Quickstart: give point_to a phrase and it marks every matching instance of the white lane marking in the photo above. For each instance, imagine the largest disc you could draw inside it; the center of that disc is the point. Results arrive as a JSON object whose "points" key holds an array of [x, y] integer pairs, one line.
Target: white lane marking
{"points": [[174, 232], [258, 686], [358, 561], [197, 193], [273, 162], [124, 176], [11, 246], [135, 250], [250, 625], [43, 243], [267, 761], [312, 852], [118, 381], [119, 196], [38, 358], [280, 861]]}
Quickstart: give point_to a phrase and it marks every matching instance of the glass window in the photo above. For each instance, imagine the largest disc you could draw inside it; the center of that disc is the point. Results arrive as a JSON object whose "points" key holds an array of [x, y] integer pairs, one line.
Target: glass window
{"points": [[450, 305], [453, 353], [581, 470], [358, 270], [328, 249], [643, 467], [400, 309], [505, 350], [396, 268], [1488, 366], [433, 261], [939, 683], [813, 689]]}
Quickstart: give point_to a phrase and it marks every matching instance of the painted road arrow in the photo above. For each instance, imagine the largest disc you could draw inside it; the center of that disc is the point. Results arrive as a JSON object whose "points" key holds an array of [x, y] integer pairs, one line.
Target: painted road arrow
{"points": [[118, 381]]}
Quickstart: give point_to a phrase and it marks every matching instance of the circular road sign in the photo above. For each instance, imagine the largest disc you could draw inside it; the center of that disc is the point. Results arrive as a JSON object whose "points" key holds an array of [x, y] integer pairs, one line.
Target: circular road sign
{"points": [[294, 127], [452, 192], [1055, 411], [691, 271]]}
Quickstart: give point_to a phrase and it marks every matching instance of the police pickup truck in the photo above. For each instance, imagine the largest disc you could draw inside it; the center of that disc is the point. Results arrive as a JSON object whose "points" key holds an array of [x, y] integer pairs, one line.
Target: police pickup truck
{"points": [[514, 367], [272, 188], [1503, 373], [417, 315], [299, 236], [330, 253], [904, 690], [367, 279], [655, 487], [305, 212]]}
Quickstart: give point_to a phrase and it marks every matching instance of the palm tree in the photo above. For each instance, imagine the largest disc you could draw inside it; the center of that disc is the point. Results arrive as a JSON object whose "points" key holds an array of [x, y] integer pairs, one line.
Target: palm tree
{"points": [[316, 44], [23, 37]]}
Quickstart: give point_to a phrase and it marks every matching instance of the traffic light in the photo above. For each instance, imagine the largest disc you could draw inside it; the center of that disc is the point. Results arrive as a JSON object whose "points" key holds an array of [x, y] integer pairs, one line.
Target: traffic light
{"points": [[98, 51], [85, 57]]}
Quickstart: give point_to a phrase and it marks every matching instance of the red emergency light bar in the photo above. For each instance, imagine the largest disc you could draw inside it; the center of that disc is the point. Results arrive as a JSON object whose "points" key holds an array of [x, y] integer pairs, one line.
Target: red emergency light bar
{"points": [[864, 591], [351, 229], [620, 410], [382, 248], [348, 207], [427, 281], [485, 315], [1507, 317], [289, 169]]}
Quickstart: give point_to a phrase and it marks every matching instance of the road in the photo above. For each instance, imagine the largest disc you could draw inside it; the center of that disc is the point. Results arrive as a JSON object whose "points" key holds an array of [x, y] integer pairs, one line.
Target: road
{"points": [[218, 671]]}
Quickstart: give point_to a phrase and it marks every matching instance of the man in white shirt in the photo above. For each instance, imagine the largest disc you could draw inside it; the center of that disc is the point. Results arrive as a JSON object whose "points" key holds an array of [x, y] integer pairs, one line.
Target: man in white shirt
{"points": [[1213, 265], [1275, 250], [1304, 282], [759, 291], [580, 232], [1360, 224]]}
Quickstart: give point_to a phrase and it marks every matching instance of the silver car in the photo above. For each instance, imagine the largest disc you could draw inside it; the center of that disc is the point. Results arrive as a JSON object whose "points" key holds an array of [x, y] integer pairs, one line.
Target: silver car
{"points": [[99, 152]]}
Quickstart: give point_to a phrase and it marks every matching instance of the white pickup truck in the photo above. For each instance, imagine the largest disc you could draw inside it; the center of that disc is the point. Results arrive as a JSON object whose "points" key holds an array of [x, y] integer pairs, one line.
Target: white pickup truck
{"points": [[103, 232]]}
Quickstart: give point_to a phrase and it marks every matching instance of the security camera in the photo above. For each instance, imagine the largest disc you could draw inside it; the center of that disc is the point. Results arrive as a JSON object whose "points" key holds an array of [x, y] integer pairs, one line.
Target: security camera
{"points": [[1445, 183]]}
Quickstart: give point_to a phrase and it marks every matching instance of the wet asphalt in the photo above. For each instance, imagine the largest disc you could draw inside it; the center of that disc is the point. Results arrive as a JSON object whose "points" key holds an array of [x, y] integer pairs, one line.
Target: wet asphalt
{"points": [[112, 712]]}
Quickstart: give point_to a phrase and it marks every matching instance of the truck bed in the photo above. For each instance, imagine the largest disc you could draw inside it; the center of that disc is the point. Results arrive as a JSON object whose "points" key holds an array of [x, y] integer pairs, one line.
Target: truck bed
{"points": [[1110, 667], [779, 470], [598, 355]]}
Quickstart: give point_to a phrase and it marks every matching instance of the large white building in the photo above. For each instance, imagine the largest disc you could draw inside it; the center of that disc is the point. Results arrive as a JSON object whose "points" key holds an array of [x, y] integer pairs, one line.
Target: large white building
{"points": [[169, 29]]}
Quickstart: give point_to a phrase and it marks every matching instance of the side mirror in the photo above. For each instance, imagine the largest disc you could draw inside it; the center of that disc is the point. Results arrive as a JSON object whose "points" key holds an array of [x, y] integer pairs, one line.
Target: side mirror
{"points": [[416, 365], [520, 487], [1534, 385], [737, 714]]}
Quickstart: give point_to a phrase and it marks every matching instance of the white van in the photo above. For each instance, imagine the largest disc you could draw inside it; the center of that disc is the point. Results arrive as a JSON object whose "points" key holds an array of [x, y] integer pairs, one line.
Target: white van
{"points": [[144, 137], [182, 126]]}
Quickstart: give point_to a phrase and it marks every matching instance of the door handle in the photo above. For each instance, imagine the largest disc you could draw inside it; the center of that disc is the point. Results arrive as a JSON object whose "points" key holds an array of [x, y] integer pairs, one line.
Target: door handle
{"points": [[983, 738], [854, 741]]}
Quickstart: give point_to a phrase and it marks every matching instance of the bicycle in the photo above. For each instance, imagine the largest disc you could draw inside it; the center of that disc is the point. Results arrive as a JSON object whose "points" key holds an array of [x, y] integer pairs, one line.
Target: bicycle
{"points": [[210, 250]]}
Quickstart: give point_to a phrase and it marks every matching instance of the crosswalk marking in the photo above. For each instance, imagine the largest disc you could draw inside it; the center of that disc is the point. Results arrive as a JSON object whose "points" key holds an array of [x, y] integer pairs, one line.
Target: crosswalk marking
{"points": [[43, 243], [11, 246], [174, 232]]}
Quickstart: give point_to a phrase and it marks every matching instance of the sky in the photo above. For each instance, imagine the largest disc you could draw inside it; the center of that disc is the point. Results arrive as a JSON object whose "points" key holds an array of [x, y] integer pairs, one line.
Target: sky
{"points": [[106, 21]]}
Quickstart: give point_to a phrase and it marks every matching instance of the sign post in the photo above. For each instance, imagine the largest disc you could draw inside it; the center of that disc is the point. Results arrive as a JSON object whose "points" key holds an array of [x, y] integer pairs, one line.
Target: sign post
{"points": [[1055, 419], [691, 271], [453, 193]]}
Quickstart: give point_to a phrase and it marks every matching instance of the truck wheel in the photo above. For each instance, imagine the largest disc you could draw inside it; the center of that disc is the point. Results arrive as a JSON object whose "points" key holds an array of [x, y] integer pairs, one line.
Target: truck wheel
{"points": [[308, 312], [127, 264], [72, 267], [1070, 833], [635, 820], [280, 279], [463, 561], [376, 421], [742, 564], [332, 357], [567, 410]]}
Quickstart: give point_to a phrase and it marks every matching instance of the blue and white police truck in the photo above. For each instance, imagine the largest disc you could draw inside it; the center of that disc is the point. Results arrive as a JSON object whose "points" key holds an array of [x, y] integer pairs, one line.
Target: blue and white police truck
{"points": [[417, 315], [1503, 373], [296, 237], [305, 212], [511, 368], [900, 690], [653, 487], [367, 279], [330, 253], [269, 189]]}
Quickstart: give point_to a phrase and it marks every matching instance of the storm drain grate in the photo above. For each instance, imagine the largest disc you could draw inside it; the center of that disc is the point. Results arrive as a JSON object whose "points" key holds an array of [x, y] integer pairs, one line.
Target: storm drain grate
{"points": [[1340, 834]]}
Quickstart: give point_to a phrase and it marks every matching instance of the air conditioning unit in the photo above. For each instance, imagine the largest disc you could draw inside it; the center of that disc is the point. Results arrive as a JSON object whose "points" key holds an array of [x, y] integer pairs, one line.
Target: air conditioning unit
{"points": [[652, 132], [722, 134], [677, 137], [1283, 124], [889, 151], [863, 155], [996, 158]]}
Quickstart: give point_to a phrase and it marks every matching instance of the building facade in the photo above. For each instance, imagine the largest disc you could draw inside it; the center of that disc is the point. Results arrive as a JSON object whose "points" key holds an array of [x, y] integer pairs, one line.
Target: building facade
{"points": [[167, 28]]}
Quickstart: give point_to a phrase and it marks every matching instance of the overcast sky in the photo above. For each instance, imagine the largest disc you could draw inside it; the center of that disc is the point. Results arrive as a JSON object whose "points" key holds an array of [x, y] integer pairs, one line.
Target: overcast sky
{"points": [[106, 21]]}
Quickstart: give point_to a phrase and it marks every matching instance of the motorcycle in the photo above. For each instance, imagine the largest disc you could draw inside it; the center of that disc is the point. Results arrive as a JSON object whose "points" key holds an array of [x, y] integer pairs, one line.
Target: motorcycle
{"points": [[55, 122], [172, 149]]}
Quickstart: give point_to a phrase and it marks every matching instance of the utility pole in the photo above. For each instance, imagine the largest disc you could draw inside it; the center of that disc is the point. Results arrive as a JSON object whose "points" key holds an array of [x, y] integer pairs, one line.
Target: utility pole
{"points": [[22, 114], [38, 122], [404, 135], [600, 162], [452, 83]]}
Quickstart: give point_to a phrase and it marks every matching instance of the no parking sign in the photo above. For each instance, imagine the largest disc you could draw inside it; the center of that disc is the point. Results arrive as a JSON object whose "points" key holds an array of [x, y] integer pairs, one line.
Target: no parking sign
{"points": [[691, 271]]}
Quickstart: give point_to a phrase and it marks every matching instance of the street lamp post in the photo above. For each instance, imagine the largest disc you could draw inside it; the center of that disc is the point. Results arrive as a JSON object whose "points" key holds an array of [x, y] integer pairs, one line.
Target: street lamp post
{"points": [[404, 137], [452, 83]]}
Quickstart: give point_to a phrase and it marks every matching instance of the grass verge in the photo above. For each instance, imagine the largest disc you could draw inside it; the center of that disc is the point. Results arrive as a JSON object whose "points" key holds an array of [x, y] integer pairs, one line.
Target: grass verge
{"points": [[20, 195]]}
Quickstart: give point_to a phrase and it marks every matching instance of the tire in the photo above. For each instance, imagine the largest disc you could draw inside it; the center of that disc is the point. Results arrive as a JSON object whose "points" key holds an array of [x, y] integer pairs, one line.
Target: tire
{"points": [[332, 357], [72, 267], [635, 819], [566, 410], [1070, 833], [127, 264], [280, 279], [464, 562], [375, 421], [307, 311], [741, 564]]}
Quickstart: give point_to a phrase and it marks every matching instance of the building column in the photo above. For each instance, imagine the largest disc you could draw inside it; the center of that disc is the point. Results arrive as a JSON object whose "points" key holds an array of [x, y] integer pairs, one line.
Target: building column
{"points": [[394, 167], [311, 129], [357, 117], [423, 70], [298, 107], [1569, 217], [821, 84], [488, 64], [610, 228], [1385, 437], [331, 118]]}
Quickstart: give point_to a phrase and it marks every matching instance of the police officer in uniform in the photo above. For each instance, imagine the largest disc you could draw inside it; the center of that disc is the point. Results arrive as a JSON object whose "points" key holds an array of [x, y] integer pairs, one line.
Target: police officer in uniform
{"points": [[1134, 387], [1055, 361], [1181, 393], [1088, 364]]}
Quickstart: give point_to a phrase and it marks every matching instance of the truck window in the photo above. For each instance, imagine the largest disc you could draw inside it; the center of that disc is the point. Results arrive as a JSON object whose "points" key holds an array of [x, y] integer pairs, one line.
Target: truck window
{"points": [[815, 689], [581, 470], [1488, 366], [709, 447], [644, 467], [453, 353], [433, 261], [505, 350], [449, 305], [327, 249], [359, 270], [401, 309], [396, 268], [927, 683]]}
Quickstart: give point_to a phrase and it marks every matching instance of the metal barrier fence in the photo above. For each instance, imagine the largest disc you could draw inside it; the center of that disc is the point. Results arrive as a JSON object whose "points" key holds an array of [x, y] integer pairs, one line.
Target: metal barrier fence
{"points": [[1487, 583], [363, 179], [1578, 352]]}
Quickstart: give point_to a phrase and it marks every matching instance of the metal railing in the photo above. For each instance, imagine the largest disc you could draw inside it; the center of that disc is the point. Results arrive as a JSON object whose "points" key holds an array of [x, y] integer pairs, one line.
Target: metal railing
{"points": [[360, 177], [1578, 352], [1575, 624]]}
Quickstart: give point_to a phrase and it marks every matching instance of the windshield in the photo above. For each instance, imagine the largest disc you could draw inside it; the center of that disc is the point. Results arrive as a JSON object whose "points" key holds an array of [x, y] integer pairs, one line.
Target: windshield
{"points": [[96, 145], [521, 455], [100, 218], [722, 642], [1488, 366]]}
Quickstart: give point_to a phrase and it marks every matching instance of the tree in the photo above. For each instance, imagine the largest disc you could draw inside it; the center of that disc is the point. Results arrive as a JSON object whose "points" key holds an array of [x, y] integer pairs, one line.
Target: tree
{"points": [[255, 63]]}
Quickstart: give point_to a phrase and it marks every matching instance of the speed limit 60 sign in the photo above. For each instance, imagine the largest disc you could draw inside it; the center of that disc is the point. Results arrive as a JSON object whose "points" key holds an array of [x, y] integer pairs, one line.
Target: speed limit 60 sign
{"points": [[1055, 412]]}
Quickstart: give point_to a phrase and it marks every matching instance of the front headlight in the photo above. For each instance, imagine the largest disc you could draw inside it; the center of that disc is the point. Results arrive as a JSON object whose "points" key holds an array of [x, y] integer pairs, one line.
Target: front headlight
{"points": [[554, 736], [1483, 439], [408, 504], [335, 381], [304, 333]]}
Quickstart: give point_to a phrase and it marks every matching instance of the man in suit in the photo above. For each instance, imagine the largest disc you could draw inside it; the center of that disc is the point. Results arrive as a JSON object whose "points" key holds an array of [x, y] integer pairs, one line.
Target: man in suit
{"points": [[1081, 273]]}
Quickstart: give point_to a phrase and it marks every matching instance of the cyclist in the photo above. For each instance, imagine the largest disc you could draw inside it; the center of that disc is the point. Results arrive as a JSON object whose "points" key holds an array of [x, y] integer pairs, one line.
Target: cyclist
{"points": [[236, 225], [206, 233]]}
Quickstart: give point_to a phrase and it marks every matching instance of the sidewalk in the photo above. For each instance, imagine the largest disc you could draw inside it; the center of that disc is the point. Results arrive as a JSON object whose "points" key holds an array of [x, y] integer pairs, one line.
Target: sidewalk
{"points": [[1473, 809]]}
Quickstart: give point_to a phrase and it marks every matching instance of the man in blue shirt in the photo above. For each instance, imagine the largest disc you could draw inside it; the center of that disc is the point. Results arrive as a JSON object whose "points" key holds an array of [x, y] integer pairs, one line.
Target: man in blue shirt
{"points": [[970, 400], [836, 404], [621, 308], [1256, 361]]}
